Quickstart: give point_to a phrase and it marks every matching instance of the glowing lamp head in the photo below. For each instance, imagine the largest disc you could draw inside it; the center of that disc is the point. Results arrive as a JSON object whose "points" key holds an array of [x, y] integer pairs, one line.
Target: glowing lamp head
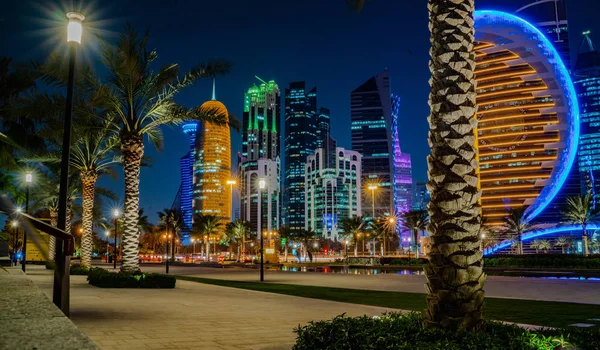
{"points": [[392, 220], [19, 210], [74, 28], [261, 184], [231, 182], [483, 235], [107, 233], [14, 223], [28, 178], [116, 213], [372, 187]]}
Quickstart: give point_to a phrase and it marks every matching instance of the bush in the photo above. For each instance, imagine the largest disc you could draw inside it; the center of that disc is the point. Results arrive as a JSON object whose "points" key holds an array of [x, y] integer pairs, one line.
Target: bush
{"points": [[77, 269], [408, 262], [50, 265], [105, 279], [396, 331], [544, 261]]}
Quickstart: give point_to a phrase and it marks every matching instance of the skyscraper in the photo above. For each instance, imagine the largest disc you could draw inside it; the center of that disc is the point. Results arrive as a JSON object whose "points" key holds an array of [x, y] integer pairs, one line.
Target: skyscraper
{"points": [[374, 116], [305, 126], [186, 166], [333, 188], [259, 159], [587, 84], [212, 166]]}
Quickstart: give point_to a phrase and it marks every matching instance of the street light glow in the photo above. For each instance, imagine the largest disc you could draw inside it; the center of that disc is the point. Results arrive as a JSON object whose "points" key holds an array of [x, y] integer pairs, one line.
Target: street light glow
{"points": [[14, 223], [392, 220], [372, 187], [74, 28], [116, 213], [483, 235], [28, 178], [262, 183], [107, 233], [19, 210], [231, 182]]}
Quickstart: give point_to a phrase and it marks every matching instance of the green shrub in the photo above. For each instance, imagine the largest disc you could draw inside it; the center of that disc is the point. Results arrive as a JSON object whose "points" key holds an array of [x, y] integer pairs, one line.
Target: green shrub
{"points": [[77, 269], [105, 279], [396, 331], [407, 262], [50, 265], [544, 261]]}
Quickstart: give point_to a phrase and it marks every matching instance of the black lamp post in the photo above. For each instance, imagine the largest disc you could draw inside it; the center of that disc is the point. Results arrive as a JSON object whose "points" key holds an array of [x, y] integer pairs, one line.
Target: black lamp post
{"points": [[116, 214], [167, 237], [61, 293], [28, 180]]}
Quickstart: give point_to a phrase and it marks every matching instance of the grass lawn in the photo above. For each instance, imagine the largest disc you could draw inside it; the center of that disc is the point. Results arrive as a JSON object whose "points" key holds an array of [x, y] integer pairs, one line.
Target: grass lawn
{"points": [[543, 313]]}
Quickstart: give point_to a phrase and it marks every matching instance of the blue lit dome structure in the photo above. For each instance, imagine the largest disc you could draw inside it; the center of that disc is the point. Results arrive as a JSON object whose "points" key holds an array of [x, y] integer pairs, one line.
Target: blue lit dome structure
{"points": [[528, 117]]}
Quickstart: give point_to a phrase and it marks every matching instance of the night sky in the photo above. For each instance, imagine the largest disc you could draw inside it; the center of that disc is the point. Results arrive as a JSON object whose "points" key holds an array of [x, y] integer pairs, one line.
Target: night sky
{"points": [[321, 42]]}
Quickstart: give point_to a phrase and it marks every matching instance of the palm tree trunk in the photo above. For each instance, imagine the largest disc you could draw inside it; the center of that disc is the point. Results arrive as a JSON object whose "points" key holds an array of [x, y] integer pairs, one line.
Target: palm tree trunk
{"points": [[455, 270], [207, 250], [132, 148], [239, 249], [52, 242], [520, 245], [584, 238], [416, 238], [286, 252], [355, 248], [88, 182]]}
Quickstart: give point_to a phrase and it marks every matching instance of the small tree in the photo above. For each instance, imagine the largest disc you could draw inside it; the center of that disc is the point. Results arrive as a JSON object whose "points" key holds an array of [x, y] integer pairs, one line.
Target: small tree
{"points": [[516, 226], [580, 210], [415, 221], [286, 235], [353, 227], [564, 242]]}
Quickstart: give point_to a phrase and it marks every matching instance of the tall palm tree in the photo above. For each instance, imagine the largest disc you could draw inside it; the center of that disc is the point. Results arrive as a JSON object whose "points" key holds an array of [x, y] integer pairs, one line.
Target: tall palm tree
{"points": [[171, 220], [379, 229], [580, 210], [563, 242], [353, 227], [237, 232], [208, 227], [516, 226], [140, 101], [415, 221]]}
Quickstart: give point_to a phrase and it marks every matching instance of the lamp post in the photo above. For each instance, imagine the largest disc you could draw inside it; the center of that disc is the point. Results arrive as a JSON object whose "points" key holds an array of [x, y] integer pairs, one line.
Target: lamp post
{"points": [[261, 186], [107, 233], [14, 224], [207, 250], [372, 188], [231, 183], [61, 293], [392, 222], [115, 215], [346, 255], [28, 181], [481, 242], [409, 245]]}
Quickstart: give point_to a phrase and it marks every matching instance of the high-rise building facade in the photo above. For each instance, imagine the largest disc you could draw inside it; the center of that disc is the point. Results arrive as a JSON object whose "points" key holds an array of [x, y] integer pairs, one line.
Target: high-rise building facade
{"points": [[212, 166], [421, 196], [259, 161], [374, 117], [305, 128], [587, 84], [332, 190], [528, 118], [186, 167]]}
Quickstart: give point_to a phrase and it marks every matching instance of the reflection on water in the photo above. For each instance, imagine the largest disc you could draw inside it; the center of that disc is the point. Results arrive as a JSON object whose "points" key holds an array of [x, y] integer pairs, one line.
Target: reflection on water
{"points": [[378, 271]]}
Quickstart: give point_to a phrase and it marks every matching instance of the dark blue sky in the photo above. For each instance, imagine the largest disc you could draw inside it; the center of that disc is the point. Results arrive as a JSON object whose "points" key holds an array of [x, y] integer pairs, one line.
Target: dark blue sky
{"points": [[319, 41]]}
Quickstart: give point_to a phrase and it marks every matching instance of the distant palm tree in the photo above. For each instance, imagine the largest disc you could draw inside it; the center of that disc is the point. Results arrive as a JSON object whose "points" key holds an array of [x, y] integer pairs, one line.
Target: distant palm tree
{"points": [[209, 227], [415, 221], [580, 210], [516, 226], [305, 236], [378, 230], [564, 242], [286, 235], [171, 220], [353, 227], [140, 101], [236, 232]]}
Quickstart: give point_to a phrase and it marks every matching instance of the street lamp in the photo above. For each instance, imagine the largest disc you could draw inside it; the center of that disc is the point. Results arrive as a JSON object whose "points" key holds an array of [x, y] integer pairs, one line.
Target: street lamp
{"points": [[115, 215], [261, 186], [60, 295], [392, 222], [14, 224], [231, 183], [372, 188], [481, 242], [107, 233], [28, 181]]}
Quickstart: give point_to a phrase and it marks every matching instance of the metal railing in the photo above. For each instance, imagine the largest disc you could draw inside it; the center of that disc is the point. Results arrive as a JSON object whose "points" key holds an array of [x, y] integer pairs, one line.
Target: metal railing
{"points": [[61, 290]]}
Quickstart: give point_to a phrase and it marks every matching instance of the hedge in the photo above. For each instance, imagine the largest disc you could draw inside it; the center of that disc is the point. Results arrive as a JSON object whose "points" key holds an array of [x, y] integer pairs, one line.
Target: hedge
{"points": [[396, 331], [544, 261], [407, 262], [105, 279], [75, 269]]}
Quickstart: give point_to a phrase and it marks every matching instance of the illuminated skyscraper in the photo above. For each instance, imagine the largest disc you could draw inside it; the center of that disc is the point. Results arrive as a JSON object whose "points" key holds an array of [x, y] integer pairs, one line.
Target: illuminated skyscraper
{"points": [[374, 115], [332, 190], [259, 159], [186, 166], [212, 166], [587, 84], [305, 128], [528, 118]]}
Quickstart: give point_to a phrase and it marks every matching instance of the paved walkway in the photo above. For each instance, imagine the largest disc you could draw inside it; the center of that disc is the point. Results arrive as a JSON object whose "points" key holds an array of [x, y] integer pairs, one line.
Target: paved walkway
{"points": [[578, 291], [191, 316]]}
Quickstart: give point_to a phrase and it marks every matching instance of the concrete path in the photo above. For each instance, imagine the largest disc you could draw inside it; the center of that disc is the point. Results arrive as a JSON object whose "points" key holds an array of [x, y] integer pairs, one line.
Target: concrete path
{"points": [[191, 316], [578, 291]]}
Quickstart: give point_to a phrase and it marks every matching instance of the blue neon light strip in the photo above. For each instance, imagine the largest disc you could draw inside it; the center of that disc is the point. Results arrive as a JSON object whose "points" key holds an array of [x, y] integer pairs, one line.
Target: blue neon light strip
{"points": [[536, 234], [573, 116]]}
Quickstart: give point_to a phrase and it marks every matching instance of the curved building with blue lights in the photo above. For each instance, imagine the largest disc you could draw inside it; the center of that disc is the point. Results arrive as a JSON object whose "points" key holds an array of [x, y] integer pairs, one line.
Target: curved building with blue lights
{"points": [[528, 116]]}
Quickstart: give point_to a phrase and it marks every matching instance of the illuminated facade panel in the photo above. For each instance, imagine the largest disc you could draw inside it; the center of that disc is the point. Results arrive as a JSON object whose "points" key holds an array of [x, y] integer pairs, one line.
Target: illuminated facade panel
{"points": [[259, 158], [212, 167], [186, 166], [333, 189], [402, 166], [528, 116]]}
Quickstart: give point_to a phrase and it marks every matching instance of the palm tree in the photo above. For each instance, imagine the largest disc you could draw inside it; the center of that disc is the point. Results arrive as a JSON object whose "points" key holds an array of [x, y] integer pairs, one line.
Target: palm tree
{"points": [[286, 235], [305, 236], [353, 227], [415, 221], [516, 226], [564, 242], [237, 232], [378, 230], [140, 101], [171, 220], [580, 210], [209, 227]]}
